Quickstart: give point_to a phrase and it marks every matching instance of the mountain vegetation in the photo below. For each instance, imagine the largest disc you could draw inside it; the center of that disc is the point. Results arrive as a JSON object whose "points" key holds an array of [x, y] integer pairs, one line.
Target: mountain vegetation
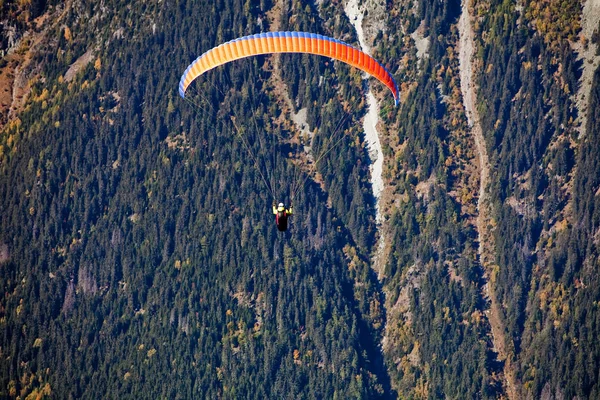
{"points": [[544, 190], [138, 253], [140, 256]]}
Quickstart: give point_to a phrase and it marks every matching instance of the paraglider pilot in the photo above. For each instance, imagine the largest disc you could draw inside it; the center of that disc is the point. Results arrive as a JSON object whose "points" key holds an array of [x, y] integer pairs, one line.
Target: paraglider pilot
{"points": [[281, 216]]}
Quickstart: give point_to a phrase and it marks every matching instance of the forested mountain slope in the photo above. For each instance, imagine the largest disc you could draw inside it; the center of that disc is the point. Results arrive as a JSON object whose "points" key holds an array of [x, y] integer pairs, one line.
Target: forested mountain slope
{"points": [[138, 253], [542, 258]]}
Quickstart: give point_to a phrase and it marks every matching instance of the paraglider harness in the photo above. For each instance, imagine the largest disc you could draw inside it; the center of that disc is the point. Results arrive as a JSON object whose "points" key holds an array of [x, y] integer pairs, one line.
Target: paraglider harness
{"points": [[281, 216]]}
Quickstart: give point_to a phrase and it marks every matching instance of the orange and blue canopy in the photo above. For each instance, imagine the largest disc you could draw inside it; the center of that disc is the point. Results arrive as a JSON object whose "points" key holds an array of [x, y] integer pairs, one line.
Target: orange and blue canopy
{"points": [[286, 42]]}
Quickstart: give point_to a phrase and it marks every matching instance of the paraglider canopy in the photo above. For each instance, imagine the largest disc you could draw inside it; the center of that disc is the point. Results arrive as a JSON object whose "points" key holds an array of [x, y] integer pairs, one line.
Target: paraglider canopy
{"points": [[286, 42]]}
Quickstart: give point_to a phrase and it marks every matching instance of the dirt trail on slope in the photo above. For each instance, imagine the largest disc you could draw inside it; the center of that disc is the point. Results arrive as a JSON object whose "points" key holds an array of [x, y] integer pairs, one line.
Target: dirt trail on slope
{"points": [[484, 207], [293, 121]]}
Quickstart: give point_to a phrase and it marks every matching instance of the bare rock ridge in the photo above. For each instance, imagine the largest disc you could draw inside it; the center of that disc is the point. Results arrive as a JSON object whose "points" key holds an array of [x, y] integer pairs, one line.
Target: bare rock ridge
{"points": [[18, 71], [587, 53]]}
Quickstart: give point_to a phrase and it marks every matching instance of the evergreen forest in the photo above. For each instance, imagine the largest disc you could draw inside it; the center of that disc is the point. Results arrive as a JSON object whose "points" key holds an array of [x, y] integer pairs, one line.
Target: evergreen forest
{"points": [[139, 257]]}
